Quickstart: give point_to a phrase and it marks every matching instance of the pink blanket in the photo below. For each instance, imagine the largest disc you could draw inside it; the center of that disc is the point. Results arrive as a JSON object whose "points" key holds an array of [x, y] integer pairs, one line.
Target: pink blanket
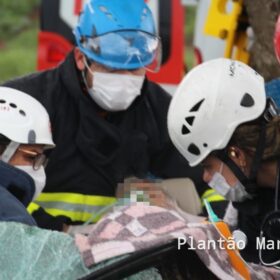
{"points": [[139, 226]]}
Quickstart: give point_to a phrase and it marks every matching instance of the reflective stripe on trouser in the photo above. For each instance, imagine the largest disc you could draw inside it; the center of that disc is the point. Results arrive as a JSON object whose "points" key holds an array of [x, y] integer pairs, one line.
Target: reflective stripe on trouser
{"points": [[77, 207], [211, 196]]}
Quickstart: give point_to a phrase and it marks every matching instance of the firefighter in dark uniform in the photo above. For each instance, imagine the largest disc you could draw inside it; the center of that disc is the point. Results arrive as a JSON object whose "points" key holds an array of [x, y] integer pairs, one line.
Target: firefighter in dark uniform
{"points": [[109, 121]]}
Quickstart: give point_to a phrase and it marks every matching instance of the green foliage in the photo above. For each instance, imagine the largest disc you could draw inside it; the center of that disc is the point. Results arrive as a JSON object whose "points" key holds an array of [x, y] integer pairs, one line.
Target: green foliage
{"points": [[15, 15], [18, 7], [18, 37], [18, 57], [189, 23], [190, 13]]}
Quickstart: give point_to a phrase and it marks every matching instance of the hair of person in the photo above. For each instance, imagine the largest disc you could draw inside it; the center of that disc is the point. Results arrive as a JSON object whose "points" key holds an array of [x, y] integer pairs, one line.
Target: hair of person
{"points": [[4, 141], [246, 138]]}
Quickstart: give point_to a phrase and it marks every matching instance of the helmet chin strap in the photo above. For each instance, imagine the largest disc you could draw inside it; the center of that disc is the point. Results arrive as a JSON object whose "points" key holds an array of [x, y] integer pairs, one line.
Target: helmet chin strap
{"points": [[277, 187], [9, 151], [259, 152], [248, 182], [84, 72], [84, 78]]}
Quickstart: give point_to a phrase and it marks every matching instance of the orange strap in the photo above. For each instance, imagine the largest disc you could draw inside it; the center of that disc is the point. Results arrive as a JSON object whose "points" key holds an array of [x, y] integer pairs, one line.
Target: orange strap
{"points": [[235, 259]]}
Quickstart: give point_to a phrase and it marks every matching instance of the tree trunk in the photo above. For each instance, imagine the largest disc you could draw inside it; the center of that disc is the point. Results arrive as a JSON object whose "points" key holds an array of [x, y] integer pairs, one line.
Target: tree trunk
{"points": [[262, 16]]}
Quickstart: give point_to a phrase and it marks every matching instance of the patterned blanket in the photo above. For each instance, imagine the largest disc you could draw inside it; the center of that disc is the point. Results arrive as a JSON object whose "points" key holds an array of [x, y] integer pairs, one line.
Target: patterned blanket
{"points": [[140, 226]]}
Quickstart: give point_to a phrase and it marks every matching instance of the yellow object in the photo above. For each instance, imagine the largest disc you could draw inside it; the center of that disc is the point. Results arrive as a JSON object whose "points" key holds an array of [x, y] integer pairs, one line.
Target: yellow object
{"points": [[32, 207], [241, 47], [224, 25], [211, 196]]}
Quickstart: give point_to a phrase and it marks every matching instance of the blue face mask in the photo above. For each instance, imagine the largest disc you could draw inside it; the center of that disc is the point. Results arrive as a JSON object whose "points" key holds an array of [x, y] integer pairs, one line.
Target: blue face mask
{"points": [[17, 182], [236, 193]]}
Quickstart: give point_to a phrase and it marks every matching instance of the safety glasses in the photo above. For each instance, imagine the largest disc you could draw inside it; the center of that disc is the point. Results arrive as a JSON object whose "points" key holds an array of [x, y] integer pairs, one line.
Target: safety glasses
{"points": [[271, 110], [128, 49], [38, 159]]}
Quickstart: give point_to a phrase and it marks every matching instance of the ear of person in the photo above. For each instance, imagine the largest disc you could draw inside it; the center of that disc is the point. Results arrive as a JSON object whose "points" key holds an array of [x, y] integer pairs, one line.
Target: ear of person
{"points": [[79, 58], [233, 153], [238, 157]]}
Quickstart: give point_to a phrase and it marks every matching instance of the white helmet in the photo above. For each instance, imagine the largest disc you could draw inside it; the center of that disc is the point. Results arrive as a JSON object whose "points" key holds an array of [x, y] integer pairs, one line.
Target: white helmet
{"points": [[23, 119], [211, 101]]}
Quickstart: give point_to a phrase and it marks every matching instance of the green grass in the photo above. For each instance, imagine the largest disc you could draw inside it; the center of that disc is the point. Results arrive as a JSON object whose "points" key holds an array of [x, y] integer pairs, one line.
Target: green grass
{"points": [[18, 55]]}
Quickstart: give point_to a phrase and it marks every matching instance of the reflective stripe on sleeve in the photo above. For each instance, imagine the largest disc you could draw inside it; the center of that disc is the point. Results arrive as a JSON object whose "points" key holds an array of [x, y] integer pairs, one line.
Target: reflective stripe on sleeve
{"points": [[77, 207]]}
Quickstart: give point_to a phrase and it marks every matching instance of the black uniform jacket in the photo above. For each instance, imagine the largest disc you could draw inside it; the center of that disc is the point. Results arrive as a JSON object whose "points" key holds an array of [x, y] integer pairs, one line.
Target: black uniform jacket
{"points": [[251, 215], [94, 153]]}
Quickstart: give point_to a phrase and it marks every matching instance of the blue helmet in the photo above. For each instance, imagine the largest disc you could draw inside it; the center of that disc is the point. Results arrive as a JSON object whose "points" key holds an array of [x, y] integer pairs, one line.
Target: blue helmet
{"points": [[119, 34]]}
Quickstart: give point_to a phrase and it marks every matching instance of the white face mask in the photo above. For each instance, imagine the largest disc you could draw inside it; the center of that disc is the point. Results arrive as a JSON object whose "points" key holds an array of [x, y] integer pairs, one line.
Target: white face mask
{"points": [[236, 193], [114, 92], [38, 176]]}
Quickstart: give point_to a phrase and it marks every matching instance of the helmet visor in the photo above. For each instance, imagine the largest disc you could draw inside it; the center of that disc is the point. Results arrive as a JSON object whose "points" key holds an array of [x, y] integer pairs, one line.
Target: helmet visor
{"points": [[125, 50]]}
